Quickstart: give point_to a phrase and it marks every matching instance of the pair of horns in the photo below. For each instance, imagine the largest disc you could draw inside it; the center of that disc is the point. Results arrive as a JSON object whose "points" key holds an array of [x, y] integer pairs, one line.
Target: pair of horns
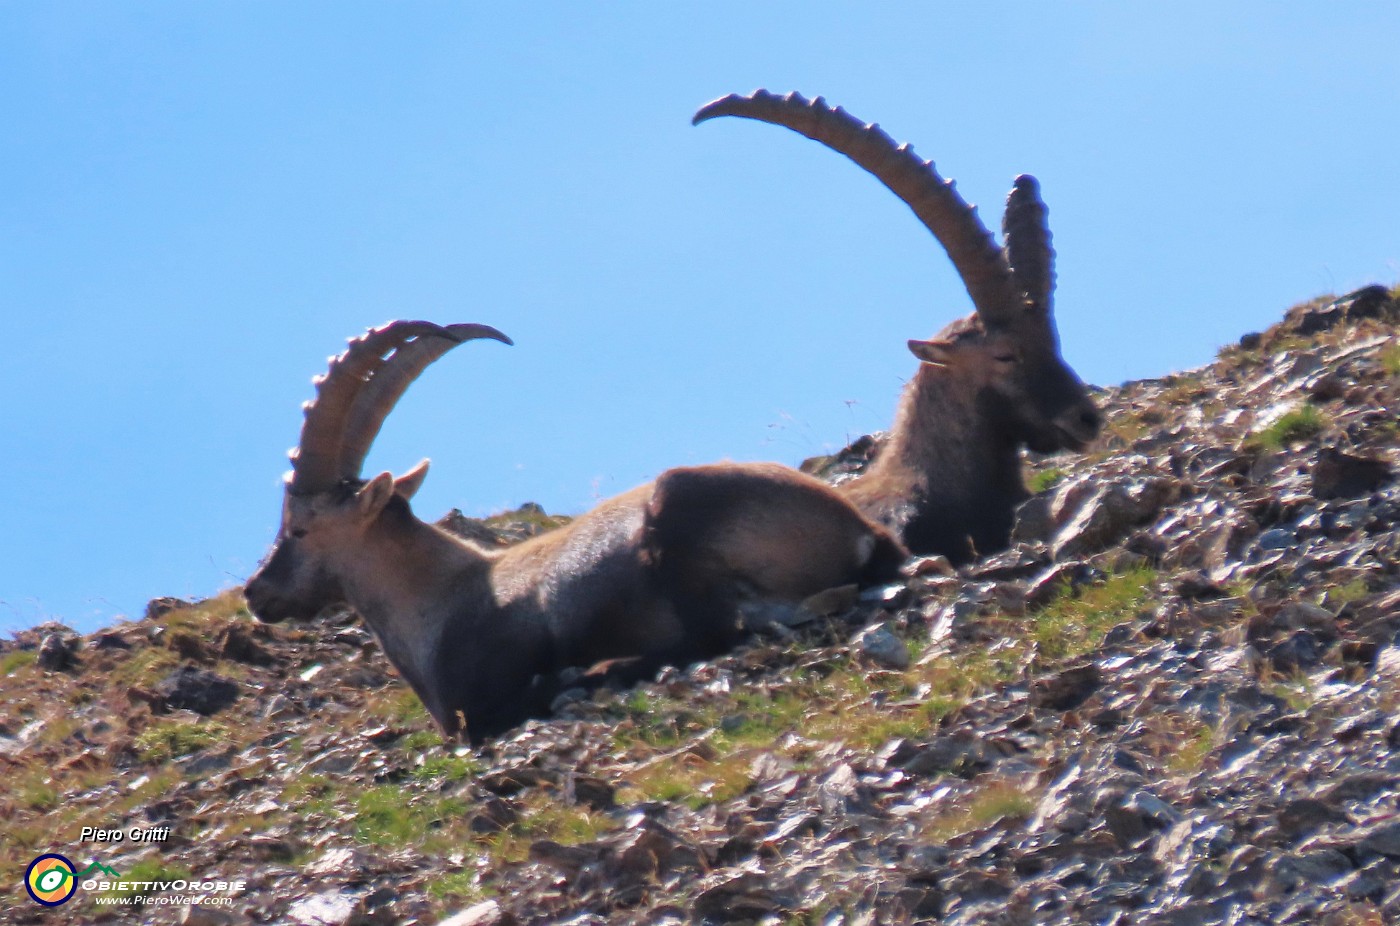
{"points": [[1000, 281], [358, 391]]}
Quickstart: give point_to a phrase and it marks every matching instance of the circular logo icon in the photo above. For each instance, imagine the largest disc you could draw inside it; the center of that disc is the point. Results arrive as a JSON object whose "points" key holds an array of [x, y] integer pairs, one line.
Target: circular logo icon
{"points": [[50, 880]]}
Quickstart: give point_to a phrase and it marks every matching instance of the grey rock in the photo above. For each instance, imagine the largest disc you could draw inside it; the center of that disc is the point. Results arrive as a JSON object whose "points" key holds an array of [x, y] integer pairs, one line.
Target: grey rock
{"points": [[1305, 815], [342, 862], [1383, 838], [205, 915], [883, 647], [1034, 520], [157, 608], [331, 908], [773, 615], [1338, 474], [486, 913], [1277, 538], [960, 753], [1368, 883], [1360, 786], [1067, 690], [746, 897], [58, 652], [198, 690], [1318, 867]]}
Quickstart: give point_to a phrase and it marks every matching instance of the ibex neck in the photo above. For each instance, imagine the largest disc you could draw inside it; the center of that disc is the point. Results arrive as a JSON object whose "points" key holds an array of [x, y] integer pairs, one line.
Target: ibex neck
{"points": [[407, 581], [946, 479], [943, 432]]}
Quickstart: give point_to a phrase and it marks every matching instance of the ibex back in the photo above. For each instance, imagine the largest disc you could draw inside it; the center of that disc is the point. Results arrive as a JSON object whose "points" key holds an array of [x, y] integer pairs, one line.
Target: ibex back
{"points": [[948, 477], [652, 576]]}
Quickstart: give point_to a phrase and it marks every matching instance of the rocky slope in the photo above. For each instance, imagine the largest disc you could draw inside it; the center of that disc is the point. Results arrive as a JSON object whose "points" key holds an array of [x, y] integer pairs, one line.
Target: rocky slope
{"points": [[1174, 701]]}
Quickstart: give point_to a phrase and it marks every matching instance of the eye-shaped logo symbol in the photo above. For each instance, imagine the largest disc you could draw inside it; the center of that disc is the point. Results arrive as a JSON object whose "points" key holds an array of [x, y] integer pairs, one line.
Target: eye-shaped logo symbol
{"points": [[50, 880]]}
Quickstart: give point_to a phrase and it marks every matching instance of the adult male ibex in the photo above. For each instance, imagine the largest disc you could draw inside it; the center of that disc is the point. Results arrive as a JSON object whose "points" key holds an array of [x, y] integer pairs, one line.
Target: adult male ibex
{"points": [[948, 477], [653, 576]]}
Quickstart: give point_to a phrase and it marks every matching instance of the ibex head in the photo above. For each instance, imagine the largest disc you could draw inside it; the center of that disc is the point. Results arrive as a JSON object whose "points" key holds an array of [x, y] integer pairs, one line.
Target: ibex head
{"points": [[1008, 349], [327, 508]]}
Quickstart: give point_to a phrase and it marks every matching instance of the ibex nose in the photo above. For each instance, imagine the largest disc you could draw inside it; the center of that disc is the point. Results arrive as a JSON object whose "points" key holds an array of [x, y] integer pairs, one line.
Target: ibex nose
{"points": [[260, 601], [1090, 418], [1079, 425]]}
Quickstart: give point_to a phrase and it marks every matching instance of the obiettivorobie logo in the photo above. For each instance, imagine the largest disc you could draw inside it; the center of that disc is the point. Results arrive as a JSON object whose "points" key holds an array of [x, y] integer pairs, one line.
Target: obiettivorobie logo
{"points": [[52, 880]]}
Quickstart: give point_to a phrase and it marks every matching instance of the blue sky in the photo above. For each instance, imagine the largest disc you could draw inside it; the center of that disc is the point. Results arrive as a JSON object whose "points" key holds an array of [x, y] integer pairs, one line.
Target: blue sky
{"points": [[203, 201]]}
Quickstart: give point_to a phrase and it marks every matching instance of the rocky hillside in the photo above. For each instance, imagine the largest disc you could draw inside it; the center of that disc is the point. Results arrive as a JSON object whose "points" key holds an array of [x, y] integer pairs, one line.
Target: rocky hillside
{"points": [[1175, 701]]}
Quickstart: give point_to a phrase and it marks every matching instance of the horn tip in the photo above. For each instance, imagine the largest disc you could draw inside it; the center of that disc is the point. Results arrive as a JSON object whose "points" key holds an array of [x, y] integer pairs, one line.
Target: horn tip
{"points": [[714, 108], [470, 331], [736, 104]]}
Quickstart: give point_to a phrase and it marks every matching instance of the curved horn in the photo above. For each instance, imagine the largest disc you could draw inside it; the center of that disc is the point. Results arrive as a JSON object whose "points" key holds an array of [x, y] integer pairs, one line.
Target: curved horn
{"points": [[384, 390], [1027, 236], [947, 215], [315, 461]]}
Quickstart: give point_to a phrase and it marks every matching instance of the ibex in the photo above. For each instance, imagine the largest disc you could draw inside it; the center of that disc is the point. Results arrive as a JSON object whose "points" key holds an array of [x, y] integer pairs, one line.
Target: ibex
{"points": [[948, 478], [650, 577]]}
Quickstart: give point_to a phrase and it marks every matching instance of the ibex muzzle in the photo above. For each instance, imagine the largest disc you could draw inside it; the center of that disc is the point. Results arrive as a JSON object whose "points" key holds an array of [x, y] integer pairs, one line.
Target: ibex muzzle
{"points": [[949, 475]]}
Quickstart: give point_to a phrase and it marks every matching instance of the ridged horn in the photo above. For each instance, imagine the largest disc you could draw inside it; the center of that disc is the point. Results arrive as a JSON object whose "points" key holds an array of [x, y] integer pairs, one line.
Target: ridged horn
{"points": [[388, 385], [1028, 250], [981, 264], [317, 458]]}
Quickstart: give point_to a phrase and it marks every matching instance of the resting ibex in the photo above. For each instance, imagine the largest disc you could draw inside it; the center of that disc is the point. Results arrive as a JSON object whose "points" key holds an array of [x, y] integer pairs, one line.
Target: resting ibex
{"points": [[949, 476], [652, 576]]}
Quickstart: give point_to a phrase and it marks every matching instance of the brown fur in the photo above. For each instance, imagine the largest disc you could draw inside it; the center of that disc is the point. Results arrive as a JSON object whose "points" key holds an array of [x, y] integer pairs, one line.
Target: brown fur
{"points": [[653, 576]]}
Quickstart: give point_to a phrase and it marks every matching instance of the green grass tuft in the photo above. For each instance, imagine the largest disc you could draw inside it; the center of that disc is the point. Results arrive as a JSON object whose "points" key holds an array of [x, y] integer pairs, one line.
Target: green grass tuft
{"points": [[391, 815], [1299, 424], [1072, 626], [1044, 479], [1346, 593], [168, 740], [13, 662], [1390, 360], [447, 768]]}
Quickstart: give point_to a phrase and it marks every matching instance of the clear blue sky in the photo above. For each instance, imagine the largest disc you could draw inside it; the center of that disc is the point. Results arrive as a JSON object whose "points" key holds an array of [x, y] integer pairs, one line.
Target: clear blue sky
{"points": [[203, 201]]}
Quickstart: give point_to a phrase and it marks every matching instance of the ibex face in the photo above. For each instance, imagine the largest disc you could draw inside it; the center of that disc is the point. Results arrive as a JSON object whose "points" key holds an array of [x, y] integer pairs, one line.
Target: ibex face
{"points": [[1022, 385], [301, 575]]}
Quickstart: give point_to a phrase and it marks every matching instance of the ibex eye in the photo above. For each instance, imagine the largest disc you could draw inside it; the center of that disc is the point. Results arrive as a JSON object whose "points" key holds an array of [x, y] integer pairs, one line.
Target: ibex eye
{"points": [[1005, 358], [299, 533]]}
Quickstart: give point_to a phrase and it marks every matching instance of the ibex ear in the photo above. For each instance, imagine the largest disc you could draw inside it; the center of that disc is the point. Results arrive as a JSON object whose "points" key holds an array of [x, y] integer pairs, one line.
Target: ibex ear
{"points": [[410, 482], [374, 495], [937, 352]]}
